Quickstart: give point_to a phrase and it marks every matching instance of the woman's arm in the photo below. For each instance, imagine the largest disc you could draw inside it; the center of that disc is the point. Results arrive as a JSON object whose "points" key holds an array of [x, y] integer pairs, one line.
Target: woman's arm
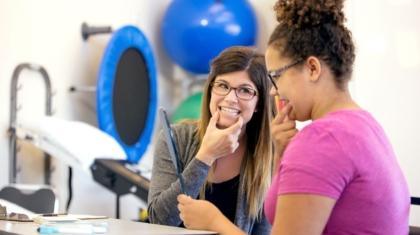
{"points": [[165, 185], [261, 226], [282, 131], [302, 214]]}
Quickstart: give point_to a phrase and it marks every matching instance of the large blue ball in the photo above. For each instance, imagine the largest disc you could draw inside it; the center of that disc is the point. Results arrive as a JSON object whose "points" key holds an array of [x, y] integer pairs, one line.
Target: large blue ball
{"points": [[195, 31]]}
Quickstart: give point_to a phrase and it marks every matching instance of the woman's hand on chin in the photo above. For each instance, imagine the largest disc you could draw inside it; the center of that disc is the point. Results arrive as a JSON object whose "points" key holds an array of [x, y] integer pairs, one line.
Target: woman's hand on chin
{"points": [[217, 143], [282, 131]]}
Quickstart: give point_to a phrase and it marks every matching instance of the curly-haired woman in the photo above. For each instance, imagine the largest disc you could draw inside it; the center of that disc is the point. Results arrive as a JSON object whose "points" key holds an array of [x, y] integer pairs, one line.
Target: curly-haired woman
{"points": [[339, 174]]}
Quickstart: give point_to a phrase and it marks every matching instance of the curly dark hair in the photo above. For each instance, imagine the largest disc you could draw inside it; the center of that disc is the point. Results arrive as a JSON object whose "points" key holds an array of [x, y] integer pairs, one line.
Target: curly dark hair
{"points": [[315, 28]]}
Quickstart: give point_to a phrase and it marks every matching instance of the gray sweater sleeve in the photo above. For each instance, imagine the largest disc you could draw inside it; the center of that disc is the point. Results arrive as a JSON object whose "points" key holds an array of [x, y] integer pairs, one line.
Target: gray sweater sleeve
{"points": [[165, 185]]}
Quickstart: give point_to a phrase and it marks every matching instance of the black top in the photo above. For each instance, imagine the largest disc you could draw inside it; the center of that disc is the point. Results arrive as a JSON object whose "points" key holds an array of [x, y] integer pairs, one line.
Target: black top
{"points": [[224, 196]]}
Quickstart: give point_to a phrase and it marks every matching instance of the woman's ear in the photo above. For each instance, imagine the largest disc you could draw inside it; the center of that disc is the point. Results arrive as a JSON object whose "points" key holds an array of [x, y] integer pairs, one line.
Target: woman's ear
{"points": [[315, 68]]}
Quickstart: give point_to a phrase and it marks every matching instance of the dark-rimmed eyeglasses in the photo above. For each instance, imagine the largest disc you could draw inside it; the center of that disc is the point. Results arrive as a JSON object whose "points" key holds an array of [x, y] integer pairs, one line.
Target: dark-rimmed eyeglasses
{"points": [[243, 93], [275, 74]]}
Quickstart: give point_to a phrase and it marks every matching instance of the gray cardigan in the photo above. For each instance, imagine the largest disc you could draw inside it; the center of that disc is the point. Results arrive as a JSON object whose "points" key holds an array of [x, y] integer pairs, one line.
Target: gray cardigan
{"points": [[165, 185]]}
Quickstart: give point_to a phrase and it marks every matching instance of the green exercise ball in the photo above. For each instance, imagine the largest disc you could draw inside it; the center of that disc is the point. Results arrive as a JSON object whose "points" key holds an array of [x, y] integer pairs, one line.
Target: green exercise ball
{"points": [[190, 108]]}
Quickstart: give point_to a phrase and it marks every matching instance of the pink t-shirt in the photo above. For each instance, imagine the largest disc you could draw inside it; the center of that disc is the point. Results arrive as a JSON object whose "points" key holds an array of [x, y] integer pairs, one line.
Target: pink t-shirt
{"points": [[346, 156]]}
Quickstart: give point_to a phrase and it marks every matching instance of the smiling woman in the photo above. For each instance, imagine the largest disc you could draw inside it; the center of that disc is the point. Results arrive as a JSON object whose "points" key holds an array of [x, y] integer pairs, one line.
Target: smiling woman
{"points": [[226, 154], [242, 102]]}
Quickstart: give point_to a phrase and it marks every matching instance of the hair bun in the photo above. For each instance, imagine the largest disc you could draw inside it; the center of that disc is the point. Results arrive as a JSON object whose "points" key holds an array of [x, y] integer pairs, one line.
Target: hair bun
{"points": [[307, 13]]}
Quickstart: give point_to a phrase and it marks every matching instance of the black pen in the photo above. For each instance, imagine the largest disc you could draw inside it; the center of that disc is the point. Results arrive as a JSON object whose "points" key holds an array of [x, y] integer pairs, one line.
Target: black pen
{"points": [[53, 214]]}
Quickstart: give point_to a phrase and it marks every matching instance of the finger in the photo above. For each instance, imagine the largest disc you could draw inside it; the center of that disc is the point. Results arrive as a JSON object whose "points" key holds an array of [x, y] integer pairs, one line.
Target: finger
{"points": [[214, 119], [282, 115], [285, 126], [240, 122], [284, 112], [280, 142], [289, 134], [237, 126], [236, 146], [280, 131], [183, 199]]}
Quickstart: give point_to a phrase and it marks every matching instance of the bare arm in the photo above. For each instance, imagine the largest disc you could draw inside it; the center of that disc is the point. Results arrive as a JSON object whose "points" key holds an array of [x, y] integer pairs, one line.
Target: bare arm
{"points": [[282, 131], [302, 214]]}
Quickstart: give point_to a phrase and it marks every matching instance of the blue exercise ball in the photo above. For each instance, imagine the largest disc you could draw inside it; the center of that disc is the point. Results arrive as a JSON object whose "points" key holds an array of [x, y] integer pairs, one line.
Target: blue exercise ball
{"points": [[196, 31]]}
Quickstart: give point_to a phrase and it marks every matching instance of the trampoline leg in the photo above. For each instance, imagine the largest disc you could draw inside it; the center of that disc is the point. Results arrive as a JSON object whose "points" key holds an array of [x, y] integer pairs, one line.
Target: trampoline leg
{"points": [[118, 207]]}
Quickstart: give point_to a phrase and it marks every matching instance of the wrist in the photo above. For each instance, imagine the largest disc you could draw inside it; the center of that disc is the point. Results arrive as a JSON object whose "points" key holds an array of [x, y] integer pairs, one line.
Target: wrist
{"points": [[222, 226], [278, 152], [205, 158], [217, 224]]}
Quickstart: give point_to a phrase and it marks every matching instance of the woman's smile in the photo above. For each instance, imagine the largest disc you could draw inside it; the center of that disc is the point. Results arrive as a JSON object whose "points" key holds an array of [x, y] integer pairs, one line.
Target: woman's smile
{"points": [[229, 111]]}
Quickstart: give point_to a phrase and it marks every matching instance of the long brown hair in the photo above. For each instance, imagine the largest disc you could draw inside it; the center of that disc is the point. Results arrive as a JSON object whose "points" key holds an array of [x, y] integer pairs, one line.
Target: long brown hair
{"points": [[258, 166]]}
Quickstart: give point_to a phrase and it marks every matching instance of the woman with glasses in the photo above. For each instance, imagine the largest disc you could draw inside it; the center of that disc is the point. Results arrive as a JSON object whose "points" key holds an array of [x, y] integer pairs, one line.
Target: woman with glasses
{"points": [[226, 156], [339, 174]]}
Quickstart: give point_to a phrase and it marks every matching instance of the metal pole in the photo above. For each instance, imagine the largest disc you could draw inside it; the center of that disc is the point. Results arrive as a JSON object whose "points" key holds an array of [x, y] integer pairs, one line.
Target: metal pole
{"points": [[13, 117]]}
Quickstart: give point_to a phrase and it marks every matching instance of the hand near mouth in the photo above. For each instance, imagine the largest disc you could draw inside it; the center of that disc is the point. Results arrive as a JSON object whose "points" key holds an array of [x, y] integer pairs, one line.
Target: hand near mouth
{"points": [[217, 143], [282, 131]]}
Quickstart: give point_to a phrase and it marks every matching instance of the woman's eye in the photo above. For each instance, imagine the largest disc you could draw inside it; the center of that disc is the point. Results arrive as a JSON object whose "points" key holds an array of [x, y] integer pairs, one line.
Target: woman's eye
{"points": [[245, 90], [276, 76], [223, 86]]}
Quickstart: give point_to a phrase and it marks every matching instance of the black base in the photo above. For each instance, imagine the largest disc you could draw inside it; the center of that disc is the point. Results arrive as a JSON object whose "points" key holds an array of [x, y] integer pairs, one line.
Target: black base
{"points": [[114, 175]]}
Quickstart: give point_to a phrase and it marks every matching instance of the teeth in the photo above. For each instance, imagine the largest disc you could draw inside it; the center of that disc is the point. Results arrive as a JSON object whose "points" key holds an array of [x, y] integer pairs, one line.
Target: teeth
{"points": [[228, 110]]}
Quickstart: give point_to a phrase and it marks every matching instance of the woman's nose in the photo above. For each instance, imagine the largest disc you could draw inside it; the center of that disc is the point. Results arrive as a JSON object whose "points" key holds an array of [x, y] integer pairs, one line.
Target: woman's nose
{"points": [[231, 96], [273, 91]]}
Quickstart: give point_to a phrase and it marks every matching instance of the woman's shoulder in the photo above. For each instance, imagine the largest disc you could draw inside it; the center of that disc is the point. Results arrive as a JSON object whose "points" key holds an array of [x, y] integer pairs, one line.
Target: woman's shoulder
{"points": [[185, 128], [340, 121], [186, 139], [185, 133]]}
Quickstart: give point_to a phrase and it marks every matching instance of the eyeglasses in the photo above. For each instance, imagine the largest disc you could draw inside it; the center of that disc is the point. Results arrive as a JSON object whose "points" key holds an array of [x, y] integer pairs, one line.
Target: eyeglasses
{"points": [[275, 74], [242, 93]]}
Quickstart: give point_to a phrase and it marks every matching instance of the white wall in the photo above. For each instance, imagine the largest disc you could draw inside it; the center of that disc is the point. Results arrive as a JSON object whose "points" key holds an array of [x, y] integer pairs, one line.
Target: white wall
{"points": [[47, 32], [386, 78]]}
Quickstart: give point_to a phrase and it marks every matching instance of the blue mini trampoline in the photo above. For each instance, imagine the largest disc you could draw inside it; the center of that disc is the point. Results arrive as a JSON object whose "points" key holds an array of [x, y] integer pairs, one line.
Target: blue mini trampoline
{"points": [[127, 91]]}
